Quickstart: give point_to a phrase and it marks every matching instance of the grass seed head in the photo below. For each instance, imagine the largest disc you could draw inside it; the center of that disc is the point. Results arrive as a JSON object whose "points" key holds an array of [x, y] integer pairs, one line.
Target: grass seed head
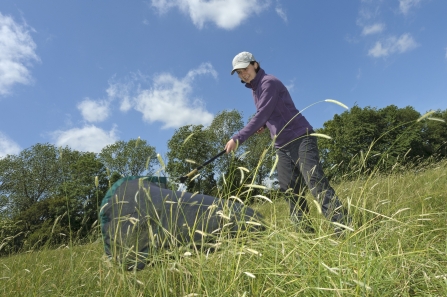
{"points": [[222, 215], [263, 197], [190, 161], [160, 159], [253, 223], [255, 186], [320, 135], [187, 138], [435, 119], [318, 206], [337, 102], [255, 252], [425, 116], [343, 226], [236, 198], [147, 162], [274, 165], [201, 233], [249, 274]]}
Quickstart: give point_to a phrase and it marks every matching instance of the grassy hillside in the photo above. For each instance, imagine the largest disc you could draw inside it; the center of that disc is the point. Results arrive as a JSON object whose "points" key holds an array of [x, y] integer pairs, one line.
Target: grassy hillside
{"points": [[398, 248]]}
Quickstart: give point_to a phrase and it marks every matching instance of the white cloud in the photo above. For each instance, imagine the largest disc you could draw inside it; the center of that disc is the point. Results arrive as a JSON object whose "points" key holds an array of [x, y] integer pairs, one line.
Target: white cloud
{"points": [[226, 14], [406, 5], [393, 45], [122, 92], [169, 102], [280, 11], [369, 12], [86, 139], [291, 85], [169, 99], [8, 146], [94, 111], [373, 29], [17, 50], [446, 52]]}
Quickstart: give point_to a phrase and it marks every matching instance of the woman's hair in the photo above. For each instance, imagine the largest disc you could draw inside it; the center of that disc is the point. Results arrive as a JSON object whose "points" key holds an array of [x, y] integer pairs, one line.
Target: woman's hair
{"points": [[259, 65]]}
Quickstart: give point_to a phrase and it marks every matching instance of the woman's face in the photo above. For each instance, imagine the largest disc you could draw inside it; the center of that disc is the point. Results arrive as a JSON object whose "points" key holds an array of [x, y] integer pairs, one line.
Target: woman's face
{"points": [[247, 74]]}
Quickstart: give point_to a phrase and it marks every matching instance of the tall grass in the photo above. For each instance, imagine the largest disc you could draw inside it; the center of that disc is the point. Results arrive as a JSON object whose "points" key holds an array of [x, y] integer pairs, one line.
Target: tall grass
{"points": [[398, 248]]}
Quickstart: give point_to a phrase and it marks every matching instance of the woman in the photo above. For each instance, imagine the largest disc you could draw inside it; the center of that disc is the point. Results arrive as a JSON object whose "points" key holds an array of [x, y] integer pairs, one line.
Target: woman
{"points": [[298, 163]]}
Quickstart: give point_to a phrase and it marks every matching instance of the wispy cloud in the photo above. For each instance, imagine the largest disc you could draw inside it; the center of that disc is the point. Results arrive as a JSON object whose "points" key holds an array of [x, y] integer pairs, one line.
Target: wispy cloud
{"points": [[393, 45], [17, 51], [370, 19], [280, 11], [94, 111], [291, 85], [373, 29], [8, 146], [226, 14], [121, 91], [359, 74], [406, 5], [86, 139]]}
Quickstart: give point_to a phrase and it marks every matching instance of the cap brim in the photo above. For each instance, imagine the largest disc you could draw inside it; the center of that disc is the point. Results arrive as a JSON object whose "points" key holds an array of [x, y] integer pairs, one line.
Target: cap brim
{"points": [[239, 66]]}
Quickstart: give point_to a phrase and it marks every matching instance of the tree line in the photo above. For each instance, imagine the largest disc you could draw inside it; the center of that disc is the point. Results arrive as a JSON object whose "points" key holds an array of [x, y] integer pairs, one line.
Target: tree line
{"points": [[50, 195], [370, 139]]}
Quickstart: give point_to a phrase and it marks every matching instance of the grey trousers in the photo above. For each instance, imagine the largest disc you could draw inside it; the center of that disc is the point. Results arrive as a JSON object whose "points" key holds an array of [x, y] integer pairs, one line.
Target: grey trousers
{"points": [[299, 169]]}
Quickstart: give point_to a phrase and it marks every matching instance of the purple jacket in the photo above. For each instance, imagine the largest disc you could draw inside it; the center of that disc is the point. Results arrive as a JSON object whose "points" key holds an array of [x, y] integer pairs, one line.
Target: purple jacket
{"points": [[274, 108]]}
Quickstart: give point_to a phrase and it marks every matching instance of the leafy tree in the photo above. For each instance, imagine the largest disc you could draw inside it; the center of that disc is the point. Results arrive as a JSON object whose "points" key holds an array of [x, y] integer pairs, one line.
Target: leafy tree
{"points": [[42, 186], [28, 177], [79, 189], [129, 158], [367, 139], [259, 155], [224, 125], [47, 222], [435, 133], [402, 135], [352, 132], [189, 147], [9, 232], [198, 144]]}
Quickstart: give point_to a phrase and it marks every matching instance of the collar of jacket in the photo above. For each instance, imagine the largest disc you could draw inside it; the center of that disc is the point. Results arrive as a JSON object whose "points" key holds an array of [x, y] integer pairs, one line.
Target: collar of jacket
{"points": [[255, 82]]}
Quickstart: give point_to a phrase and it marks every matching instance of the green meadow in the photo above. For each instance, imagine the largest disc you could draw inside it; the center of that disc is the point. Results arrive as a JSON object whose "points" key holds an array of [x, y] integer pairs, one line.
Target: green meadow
{"points": [[396, 246]]}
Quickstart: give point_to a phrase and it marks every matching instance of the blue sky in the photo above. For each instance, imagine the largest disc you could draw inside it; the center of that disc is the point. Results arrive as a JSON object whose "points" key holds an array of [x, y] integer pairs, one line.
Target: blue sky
{"points": [[88, 73]]}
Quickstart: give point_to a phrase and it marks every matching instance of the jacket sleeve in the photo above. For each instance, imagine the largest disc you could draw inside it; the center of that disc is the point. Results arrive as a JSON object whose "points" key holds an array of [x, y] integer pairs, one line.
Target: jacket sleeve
{"points": [[268, 99]]}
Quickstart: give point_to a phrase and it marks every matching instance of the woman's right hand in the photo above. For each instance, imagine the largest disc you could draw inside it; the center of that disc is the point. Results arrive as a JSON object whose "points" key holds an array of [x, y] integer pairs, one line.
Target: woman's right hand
{"points": [[231, 146]]}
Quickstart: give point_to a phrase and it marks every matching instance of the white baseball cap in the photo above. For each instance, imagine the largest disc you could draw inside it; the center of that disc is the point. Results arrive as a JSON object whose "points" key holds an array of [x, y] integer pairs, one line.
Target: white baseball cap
{"points": [[242, 60]]}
